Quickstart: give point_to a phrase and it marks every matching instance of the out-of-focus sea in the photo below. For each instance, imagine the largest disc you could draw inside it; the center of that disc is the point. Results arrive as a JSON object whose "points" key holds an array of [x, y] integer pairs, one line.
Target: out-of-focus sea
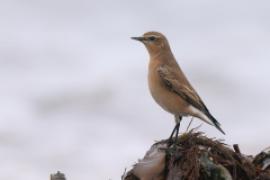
{"points": [[74, 93]]}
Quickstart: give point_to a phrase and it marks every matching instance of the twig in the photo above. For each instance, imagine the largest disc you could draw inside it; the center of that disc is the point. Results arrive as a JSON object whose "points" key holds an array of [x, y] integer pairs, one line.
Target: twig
{"points": [[190, 122], [124, 174], [236, 148]]}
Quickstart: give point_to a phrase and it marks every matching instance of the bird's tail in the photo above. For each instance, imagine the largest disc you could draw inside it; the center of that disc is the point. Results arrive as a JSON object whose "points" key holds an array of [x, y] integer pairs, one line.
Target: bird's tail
{"points": [[215, 122]]}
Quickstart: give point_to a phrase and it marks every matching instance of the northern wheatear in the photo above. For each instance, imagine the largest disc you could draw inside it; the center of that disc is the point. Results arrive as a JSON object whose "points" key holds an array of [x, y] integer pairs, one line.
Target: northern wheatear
{"points": [[168, 84]]}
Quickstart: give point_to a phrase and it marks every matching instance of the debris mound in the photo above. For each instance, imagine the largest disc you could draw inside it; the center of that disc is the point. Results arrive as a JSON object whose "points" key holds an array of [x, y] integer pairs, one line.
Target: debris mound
{"points": [[196, 157]]}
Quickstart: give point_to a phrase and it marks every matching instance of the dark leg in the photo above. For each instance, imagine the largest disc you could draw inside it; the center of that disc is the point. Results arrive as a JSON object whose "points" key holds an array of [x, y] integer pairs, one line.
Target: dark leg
{"points": [[176, 129]]}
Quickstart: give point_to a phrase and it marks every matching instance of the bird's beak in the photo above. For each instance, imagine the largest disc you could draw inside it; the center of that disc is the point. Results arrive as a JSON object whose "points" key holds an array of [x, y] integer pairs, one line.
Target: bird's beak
{"points": [[138, 38]]}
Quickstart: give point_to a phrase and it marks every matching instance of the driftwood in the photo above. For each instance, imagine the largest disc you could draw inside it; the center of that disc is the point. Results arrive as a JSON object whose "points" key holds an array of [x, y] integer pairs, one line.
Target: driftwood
{"points": [[196, 157], [58, 176]]}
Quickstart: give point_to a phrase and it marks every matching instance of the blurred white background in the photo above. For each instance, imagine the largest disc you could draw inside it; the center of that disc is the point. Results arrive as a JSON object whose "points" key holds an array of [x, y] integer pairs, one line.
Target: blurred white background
{"points": [[74, 93]]}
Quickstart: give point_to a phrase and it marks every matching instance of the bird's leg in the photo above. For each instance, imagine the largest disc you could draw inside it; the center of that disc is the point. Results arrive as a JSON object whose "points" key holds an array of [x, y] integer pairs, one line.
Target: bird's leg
{"points": [[175, 129]]}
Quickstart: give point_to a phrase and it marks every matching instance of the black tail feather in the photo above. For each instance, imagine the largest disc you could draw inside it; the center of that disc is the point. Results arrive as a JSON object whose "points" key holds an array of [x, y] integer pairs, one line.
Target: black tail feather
{"points": [[215, 122]]}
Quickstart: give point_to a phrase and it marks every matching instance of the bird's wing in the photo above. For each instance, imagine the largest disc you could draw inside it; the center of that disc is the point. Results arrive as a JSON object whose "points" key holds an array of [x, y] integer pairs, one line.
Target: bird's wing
{"points": [[170, 78], [182, 88]]}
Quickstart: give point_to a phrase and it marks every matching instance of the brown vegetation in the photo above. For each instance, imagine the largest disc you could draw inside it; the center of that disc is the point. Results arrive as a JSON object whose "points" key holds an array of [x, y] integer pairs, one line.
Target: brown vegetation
{"points": [[196, 157]]}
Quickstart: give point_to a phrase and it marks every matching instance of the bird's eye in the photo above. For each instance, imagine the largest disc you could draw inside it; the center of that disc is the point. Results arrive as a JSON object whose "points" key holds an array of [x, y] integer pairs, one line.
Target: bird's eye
{"points": [[152, 38]]}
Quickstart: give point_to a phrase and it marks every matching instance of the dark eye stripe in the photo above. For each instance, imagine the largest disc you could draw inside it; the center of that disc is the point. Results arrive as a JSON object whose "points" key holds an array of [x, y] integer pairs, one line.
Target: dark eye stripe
{"points": [[152, 38]]}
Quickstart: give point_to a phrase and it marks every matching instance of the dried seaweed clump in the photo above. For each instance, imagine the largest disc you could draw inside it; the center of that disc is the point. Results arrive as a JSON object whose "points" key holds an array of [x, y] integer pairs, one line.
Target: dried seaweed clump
{"points": [[196, 157]]}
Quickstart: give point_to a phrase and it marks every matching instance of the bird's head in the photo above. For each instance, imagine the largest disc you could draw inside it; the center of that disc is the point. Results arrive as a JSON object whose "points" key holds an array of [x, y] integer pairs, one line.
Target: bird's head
{"points": [[155, 42]]}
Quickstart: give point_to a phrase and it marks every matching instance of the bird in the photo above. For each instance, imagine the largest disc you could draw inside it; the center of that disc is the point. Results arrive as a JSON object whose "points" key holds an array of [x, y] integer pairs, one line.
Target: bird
{"points": [[168, 84]]}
